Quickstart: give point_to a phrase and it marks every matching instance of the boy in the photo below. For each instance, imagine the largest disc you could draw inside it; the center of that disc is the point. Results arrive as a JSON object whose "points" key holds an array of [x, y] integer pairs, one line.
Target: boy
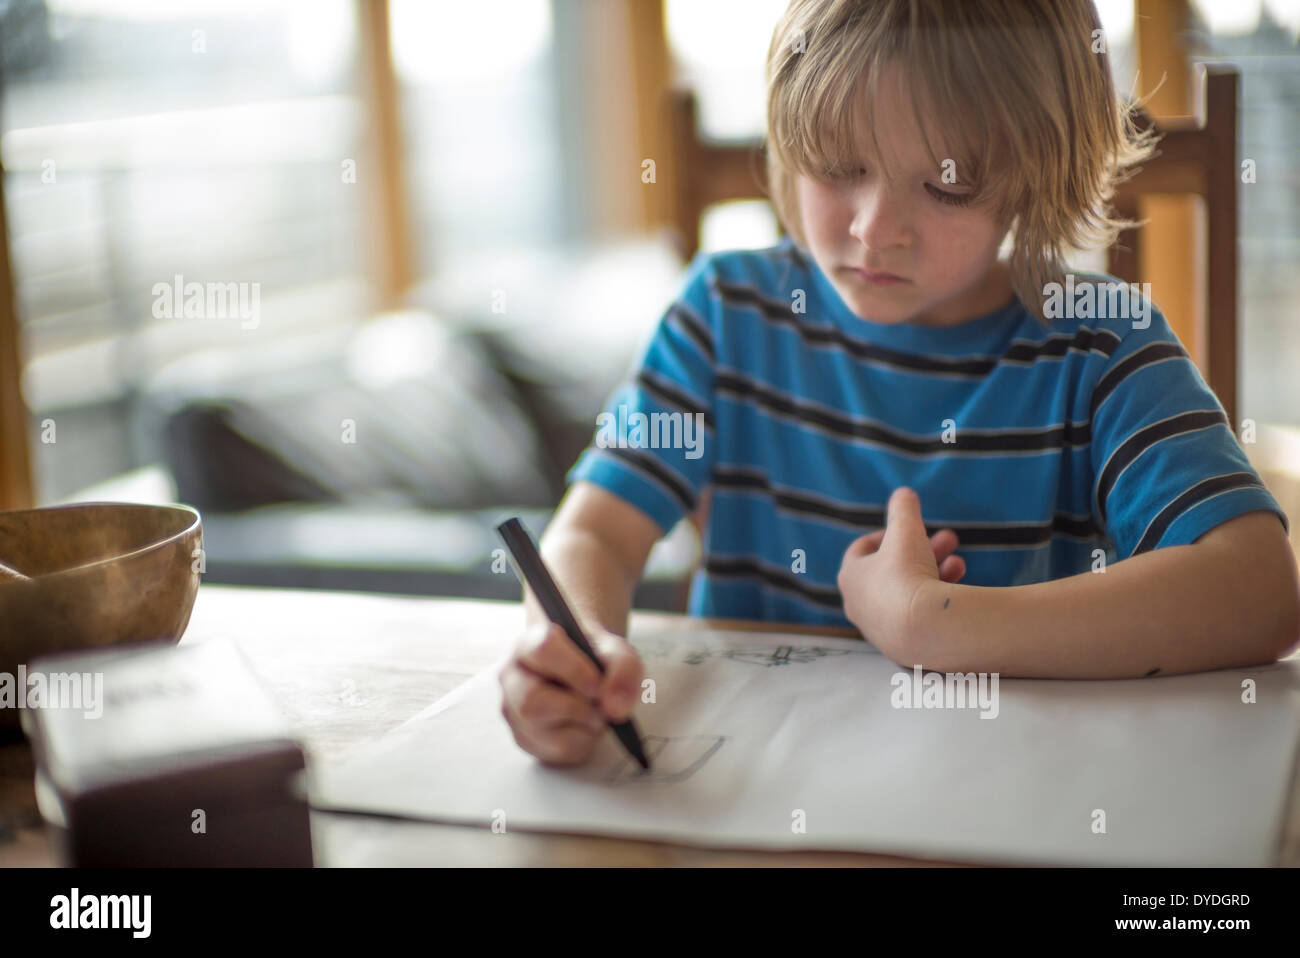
{"points": [[882, 357]]}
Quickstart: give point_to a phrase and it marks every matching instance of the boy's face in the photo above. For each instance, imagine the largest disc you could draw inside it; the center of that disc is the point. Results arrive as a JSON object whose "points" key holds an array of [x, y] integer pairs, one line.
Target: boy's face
{"points": [[943, 253]]}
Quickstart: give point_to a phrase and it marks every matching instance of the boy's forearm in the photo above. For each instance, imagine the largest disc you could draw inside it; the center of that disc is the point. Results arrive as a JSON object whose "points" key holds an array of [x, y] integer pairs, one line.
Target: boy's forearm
{"points": [[1172, 610], [599, 589]]}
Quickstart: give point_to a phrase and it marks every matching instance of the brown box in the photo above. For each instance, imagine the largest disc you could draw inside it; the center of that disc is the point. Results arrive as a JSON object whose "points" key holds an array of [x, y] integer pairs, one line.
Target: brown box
{"points": [[189, 763]]}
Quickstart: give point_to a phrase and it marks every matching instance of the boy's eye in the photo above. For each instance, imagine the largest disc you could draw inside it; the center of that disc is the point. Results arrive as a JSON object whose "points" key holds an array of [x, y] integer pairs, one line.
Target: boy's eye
{"points": [[943, 196]]}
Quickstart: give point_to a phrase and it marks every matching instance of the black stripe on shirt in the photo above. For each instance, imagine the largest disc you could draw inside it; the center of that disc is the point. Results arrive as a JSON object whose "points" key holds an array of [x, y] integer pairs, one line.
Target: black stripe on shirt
{"points": [[1144, 439], [781, 313], [1021, 351], [650, 466], [670, 395], [1146, 356], [739, 567], [694, 327], [1205, 489], [971, 535], [1057, 346], [1048, 438]]}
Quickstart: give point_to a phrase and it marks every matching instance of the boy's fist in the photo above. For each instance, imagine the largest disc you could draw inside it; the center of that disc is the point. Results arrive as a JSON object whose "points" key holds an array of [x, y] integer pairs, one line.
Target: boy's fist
{"points": [[554, 699]]}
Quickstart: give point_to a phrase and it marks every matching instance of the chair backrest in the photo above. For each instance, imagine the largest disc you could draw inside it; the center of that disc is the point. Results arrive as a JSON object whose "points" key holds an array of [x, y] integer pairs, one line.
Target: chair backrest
{"points": [[1195, 156]]}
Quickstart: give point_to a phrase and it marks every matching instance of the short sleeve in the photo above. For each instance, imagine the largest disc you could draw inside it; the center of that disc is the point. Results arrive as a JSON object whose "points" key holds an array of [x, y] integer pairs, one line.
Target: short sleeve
{"points": [[1167, 467], [653, 444]]}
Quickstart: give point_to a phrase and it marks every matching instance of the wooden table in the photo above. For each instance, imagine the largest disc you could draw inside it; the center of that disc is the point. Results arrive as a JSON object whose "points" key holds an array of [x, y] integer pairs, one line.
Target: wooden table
{"points": [[348, 667]]}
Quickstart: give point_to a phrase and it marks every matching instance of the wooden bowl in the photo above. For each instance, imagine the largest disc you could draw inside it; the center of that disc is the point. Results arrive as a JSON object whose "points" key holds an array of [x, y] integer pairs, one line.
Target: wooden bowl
{"points": [[94, 574]]}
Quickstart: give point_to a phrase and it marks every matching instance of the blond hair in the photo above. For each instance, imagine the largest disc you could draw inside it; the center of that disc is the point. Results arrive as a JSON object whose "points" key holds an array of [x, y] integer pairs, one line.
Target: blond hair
{"points": [[1023, 94]]}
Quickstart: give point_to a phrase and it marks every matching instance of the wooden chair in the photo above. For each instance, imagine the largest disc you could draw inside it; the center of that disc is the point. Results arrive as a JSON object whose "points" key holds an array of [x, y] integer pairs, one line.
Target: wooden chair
{"points": [[1195, 156]]}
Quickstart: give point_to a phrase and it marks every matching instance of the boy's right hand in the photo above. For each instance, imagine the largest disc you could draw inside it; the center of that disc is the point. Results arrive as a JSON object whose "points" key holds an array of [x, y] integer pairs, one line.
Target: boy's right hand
{"points": [[556, 702]]}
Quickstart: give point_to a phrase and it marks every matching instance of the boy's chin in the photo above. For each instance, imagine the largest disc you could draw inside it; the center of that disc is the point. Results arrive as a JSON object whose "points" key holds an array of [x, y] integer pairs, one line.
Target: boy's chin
{"points": [[879, 309]]}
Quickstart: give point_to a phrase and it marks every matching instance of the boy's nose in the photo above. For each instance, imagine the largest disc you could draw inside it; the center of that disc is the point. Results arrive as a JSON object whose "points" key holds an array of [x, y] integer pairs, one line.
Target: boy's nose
{"points": [[881, 219]]}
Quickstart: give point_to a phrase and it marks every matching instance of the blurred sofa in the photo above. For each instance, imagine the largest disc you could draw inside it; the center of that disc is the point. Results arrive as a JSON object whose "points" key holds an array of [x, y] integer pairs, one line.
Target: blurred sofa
{"points": [[379, 454]]}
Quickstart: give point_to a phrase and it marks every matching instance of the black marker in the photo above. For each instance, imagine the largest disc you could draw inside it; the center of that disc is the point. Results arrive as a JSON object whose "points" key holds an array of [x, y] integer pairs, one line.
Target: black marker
{"points": [[533, 571]]}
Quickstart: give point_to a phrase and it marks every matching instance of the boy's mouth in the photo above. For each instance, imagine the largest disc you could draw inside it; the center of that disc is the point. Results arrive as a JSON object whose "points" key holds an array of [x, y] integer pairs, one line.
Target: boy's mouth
{"points": [[876, 277]]}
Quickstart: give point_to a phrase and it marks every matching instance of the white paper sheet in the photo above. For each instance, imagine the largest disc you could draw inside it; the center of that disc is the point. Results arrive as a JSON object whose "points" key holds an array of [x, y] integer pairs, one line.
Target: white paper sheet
{"points": [[752, 735]]}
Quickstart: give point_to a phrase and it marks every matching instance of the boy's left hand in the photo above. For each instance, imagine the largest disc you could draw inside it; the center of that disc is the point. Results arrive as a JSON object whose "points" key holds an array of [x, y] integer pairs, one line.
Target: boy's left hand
{"points": [[882, 571]]}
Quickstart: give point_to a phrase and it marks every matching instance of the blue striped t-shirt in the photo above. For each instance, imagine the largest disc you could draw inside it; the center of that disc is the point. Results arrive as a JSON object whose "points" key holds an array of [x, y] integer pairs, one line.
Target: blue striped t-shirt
{"points": [[1035, 446]]}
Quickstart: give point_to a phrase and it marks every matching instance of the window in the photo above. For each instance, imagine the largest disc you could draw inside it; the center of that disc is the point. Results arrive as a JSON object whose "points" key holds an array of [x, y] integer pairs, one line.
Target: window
{"points": [[479, 121], [145, 140], [1260, 41]]}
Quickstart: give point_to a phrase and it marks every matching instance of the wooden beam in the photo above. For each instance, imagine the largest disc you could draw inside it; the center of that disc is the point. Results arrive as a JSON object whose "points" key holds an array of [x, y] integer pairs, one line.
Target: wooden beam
{"points": [[1221, 318], [385, 180], [15, 462], [1173, 236], [651, 82]]}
